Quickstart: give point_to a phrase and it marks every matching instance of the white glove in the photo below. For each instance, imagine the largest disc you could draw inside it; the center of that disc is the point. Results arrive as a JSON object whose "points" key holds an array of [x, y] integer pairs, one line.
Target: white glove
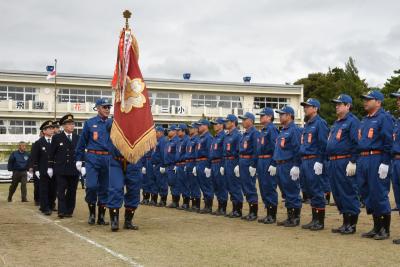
{"points": [[236, 171], [143, 170], [207, 172], [29, 175], [162, 170], [351, 169], [50, 172], [194, 171], [83, 171], [174, 169], [318, 168], [37, 173], [295, 173], [272, 170], [383, 171], [222, 171], [78, 165], [252, 171], [184, 168]]}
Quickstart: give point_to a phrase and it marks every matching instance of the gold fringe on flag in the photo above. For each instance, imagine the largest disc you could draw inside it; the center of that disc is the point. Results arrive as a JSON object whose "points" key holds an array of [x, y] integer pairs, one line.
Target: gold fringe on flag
{"points": [[133, 152]]}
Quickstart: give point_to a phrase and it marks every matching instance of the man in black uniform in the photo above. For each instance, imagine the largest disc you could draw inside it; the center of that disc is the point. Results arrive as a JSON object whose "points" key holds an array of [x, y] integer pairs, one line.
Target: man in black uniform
{"points": [[40, 164], [62, 165], [36, 180]]}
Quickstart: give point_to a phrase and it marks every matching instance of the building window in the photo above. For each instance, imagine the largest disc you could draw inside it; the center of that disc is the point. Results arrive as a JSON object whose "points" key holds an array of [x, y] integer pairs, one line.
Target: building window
{"points": [[78, 127], [22, 127], [3, 128], [270, 102], [17, 93], [82, 95], [164, 100], [214, 101]]}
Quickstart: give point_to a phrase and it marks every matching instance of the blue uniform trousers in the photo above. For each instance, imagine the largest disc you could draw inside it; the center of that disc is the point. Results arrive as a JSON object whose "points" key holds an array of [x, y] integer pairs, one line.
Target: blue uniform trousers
{"points": [[130, 178], [267, 183], [373, 190], [344, 188], [248, 182], [161, 181], [291, 189], [97, 176], [313, 183], [194, 186], [173, 181], [183, 181], [233, 183], [395, 177], [219, 182], [205, 183]]}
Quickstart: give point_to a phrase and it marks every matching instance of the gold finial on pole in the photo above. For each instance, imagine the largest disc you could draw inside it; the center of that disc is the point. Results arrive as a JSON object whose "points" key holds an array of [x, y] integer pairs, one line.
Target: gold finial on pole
{"points": [[127, 15]]}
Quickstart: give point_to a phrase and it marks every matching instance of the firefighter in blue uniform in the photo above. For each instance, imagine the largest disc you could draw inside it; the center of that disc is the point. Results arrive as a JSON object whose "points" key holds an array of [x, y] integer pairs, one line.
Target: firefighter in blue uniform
{"points": [[92, 157], [248, 164], [312, 151], [396, 158], [375, 144], [148, 182], [342, 156], [231, 160], [128, 175], [287, 158], [266, 167], [182, 179], [170, 167], [158, 161], [217, 161], [202, 170], [194, 186]]}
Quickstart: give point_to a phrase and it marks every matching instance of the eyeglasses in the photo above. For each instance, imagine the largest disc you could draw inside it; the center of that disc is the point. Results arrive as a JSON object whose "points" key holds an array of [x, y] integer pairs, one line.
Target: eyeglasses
{"points": [[106, 107]]}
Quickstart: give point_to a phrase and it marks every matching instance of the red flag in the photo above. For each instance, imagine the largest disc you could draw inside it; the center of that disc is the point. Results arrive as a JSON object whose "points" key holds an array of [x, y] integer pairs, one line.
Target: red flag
{"points": [[132, 131]]}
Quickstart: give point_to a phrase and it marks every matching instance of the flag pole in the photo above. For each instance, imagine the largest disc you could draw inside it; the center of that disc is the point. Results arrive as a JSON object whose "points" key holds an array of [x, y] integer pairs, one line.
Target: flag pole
{"points": [[55, 90], [127, 15]]}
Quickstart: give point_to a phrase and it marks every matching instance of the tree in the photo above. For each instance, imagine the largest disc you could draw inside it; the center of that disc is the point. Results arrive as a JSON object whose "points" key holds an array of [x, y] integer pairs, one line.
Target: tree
{"points": [[327, 86], [392, 85]]}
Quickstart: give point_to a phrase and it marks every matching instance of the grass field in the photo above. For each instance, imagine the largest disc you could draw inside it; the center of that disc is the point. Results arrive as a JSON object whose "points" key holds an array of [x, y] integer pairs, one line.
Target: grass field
{"points": [[178, 238]]}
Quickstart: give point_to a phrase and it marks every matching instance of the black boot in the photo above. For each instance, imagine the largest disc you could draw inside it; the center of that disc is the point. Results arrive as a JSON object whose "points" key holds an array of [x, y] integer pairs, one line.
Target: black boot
{"points": [[197, 205], [145, 200], [384, 232], [352, 223], [185, 204], [129, 212], [163, 201], [289, 216], [344, 225], [375, 229], [320, 223], [230, 215], [114, 218], [101, 216], [217, 211], [253, 212], [313, 220], [92, 214], [271, 215], [222, 210], [175, 202], [207, 207], [294, 219], [153, 200], [327, 198]]}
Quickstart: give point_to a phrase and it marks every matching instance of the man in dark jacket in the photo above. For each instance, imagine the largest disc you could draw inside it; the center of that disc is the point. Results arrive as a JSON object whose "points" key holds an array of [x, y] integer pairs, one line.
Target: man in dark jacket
{"points": [[61, 164], [18, 165]]}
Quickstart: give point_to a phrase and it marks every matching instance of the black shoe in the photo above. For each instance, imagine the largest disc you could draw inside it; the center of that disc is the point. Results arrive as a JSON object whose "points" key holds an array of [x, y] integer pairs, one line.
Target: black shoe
{"points": [[196, 208], [352, 224], [231, 214], [175, 202], [61, 215], [341, 228], [9, 199], [24, 200], [294, 219], [375, 229], [101, 216], [114, 218], [320, 223], [153, 200], [92, 214], [237, 210], [253, 212], [47, 212], [207, 207], [185, 204], [396, 241], [384, 232], [313, 220], [395, 209], [68, 215], [145, 200], [128, 219]]}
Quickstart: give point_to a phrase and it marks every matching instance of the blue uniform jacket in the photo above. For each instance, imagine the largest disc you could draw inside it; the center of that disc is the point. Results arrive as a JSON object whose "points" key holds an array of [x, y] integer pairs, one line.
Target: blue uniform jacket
{"points": [[217, 145], [18, 161], [157, 157], [203, 147], [314, 138], [232, 143], [288, 144], [396, 138], [248, 145], [267, 139], [170, 151], [181, 149], [191, 147]]}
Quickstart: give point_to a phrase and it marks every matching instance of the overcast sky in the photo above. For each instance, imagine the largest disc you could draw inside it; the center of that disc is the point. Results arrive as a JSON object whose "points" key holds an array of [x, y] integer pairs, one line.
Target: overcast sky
{"points": [[273, 41]]}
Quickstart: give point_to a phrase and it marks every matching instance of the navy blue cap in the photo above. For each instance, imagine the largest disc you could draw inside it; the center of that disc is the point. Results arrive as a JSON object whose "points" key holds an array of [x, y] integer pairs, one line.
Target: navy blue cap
{"points": [[286, 110], [266, 111], [160, 129], [374, 94], [218, 121], [231, 117], [173, 127], [343, 98], [193, 125], [396, 94], [103, 102], [181, 126], [203, 122], [311, 102], [248, 115]]}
